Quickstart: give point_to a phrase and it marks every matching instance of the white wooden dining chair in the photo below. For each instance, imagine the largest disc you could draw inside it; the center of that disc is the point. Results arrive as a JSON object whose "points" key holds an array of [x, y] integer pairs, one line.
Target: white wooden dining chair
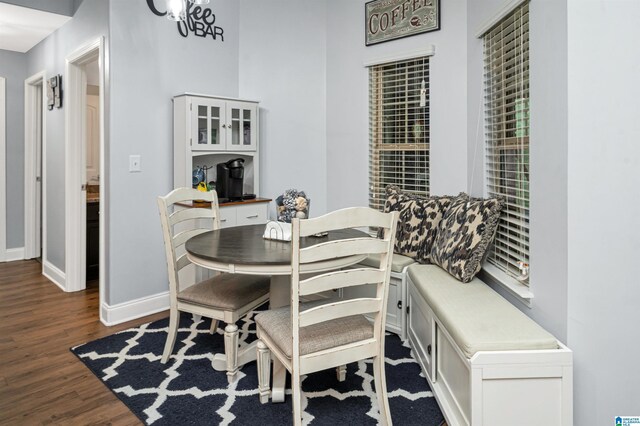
{"points": [[305, 338], [225, 297]]}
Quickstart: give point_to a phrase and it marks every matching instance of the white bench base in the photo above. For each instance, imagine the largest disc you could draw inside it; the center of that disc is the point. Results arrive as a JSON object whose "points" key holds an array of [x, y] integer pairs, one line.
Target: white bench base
{"points": [[492, 388]]}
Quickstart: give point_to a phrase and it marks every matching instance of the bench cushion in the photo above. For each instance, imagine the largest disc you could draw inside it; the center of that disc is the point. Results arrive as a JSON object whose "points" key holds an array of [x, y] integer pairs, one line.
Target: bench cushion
{"points": [[398, 262], [476, 317]]}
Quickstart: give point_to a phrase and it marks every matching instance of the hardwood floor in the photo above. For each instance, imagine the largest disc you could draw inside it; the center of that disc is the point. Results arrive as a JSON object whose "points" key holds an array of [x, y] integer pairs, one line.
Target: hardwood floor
{"points": [[41, 381]]}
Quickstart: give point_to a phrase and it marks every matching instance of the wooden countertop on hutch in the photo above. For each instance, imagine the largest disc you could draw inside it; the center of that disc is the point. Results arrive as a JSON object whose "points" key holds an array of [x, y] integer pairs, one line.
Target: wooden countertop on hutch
{"points": [[226, 203]]}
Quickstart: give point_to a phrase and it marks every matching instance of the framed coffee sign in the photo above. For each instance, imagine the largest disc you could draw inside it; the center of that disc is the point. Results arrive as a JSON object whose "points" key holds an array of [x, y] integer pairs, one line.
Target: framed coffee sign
{"points": [[393, 19]]}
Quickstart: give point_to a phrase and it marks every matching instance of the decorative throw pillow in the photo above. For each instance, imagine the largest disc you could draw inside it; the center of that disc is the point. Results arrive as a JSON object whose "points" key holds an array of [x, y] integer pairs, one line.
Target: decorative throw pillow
{"points": [[464, 234], [417, 223]]}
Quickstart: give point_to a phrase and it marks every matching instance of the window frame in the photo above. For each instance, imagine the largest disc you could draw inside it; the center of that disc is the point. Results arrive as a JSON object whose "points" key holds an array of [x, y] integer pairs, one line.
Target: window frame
{"points": [[421, 59], [491, 272]]}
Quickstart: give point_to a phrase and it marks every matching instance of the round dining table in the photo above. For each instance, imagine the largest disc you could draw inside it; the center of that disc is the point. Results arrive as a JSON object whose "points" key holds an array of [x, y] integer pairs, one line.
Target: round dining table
{"points": [[243, 250]]}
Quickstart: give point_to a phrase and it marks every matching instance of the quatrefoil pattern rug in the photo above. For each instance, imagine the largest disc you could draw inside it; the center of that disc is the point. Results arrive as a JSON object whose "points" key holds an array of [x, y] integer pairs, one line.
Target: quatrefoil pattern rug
{"points": [[187, 391]]}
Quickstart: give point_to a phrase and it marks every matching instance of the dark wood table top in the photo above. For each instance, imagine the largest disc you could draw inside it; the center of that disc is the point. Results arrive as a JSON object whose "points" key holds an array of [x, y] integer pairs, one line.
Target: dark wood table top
{"points": [[244, 245]]}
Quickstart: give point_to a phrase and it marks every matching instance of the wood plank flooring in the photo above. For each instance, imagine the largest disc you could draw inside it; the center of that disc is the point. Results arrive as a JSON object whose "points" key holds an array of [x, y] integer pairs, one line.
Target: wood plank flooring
{"points": [[41, 381]]}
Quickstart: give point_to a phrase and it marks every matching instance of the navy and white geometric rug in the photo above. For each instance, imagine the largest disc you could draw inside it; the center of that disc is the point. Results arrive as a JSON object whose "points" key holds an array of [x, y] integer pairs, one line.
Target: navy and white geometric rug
{"points": [[187, 391]]}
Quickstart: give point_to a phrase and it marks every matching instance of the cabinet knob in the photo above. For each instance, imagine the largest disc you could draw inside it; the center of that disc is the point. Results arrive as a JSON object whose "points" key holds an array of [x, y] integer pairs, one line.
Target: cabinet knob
{"points": [[399, 304], [224, 126], [429, 349]]}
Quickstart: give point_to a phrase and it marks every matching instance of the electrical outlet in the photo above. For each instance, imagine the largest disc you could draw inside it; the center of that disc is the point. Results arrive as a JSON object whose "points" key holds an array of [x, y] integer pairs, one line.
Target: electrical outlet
{"points": [[134, 163]]}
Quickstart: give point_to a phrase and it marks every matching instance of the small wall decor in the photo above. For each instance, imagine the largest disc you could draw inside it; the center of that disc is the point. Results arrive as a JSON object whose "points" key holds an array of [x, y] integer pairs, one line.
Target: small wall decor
{"points": [[54, 92], [393, 19], [190, 16]]}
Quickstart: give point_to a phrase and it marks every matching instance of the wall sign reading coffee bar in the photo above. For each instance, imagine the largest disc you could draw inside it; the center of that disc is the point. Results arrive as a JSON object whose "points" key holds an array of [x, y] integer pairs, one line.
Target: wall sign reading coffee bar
{"points": [[392, 19], [198, 20]]}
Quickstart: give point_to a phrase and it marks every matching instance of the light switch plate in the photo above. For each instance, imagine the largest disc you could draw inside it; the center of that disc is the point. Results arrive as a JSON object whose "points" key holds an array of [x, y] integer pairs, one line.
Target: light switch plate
{"points": [[134, 163]]}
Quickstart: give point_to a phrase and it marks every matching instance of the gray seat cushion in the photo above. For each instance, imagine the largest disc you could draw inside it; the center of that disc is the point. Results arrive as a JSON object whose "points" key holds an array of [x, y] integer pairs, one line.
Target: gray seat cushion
{"points": [[398, 262], [276, 325], [476, 317], [226, 292]]}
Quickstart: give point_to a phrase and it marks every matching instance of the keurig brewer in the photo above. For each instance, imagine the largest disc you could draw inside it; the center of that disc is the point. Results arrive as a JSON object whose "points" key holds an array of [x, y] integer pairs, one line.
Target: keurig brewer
{"points": [[230, 179]]}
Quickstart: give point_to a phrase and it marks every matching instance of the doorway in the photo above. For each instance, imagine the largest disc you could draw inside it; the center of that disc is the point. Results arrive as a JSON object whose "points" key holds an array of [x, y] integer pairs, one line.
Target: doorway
{"points": [[34, 230], [3, 176], [92, 176], [85, 73]]}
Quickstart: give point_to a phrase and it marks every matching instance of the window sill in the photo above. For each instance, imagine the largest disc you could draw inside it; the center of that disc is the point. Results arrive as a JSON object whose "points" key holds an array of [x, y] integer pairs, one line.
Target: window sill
{"points": [[492, 275]]}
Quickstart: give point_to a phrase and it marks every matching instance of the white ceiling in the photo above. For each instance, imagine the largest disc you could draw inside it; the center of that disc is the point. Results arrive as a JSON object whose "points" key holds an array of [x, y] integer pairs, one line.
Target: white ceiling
{"points": [[22, 28]]}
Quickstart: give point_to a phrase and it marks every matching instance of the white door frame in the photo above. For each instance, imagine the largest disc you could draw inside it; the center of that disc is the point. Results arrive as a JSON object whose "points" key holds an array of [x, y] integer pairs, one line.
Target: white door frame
{"points": [[75, 164], [3, 170], [32, 243]]}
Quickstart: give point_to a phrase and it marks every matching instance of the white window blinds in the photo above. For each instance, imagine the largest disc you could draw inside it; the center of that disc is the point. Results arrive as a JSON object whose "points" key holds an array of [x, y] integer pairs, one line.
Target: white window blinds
{"points": [[506, 81], [398, 128]]}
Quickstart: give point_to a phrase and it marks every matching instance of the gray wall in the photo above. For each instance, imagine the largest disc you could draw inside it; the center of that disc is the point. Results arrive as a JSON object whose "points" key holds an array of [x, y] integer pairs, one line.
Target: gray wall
{"points": [[13, 67], [603, 205], [61, 7], [548, 82], [285, 71], [150, 63], [347, 100], [90, 22]]}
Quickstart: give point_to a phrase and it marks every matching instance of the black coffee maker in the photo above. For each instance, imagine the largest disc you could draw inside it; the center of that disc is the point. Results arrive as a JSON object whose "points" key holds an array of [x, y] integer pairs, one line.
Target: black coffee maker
{"points": [[230, 179]]}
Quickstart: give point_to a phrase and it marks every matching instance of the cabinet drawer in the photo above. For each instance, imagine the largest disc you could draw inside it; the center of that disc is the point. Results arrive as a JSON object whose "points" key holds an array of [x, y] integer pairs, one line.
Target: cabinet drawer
{"points": [[227, 217], [251, 214]]}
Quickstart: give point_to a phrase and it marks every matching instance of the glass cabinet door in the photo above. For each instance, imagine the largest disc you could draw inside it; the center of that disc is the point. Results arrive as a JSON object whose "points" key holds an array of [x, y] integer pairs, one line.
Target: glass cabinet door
{"points": [[241, 123], [209, 125]]}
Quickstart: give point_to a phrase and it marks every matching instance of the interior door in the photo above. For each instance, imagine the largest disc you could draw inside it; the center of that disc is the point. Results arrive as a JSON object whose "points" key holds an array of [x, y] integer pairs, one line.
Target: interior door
{"points": [[38, 213], [93, 139]]}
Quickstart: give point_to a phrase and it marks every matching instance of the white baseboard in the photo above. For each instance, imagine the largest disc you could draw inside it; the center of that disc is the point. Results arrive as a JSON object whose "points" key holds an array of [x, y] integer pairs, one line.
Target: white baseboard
{"points": [[11, 255], [127, 311], [54, 274]]}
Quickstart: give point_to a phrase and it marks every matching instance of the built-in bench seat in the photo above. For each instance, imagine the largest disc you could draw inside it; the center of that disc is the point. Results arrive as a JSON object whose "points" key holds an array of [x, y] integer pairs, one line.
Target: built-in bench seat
{"points": [[487, 363], [396, 321], [398, 262], [476, 317]]}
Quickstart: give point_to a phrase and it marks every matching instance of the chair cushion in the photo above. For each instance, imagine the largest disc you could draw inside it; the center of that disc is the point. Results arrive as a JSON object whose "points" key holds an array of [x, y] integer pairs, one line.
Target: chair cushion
{"points": [[398, 262], [464, 234], [276, 325], [226, 292], [476, 317], [417, 223]]}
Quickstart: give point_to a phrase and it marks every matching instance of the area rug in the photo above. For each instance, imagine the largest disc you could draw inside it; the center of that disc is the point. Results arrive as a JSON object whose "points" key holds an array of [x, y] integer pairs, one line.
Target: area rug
{"points": [[187, 391]]}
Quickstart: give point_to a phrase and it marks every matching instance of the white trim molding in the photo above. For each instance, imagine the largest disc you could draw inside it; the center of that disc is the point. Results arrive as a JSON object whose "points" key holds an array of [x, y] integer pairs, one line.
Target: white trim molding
{"points": [[13, 254], [54, 274], [3, 169], [127, 311], [506, 9], [401, 56], [32, 245], [75, 162], [493, 276]]}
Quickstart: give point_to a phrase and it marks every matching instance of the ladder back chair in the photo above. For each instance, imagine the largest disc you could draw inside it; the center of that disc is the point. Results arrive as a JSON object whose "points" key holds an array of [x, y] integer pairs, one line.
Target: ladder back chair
{"points": [[305, 338], [225, 297]]}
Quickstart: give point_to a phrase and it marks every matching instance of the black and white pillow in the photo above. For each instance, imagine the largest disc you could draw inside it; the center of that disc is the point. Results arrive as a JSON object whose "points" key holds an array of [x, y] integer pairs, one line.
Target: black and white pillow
{"points": [[417, 223], [464, 235]]}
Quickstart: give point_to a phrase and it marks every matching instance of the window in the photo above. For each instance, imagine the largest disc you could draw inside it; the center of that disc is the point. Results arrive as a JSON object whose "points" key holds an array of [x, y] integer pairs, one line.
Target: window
{"points": [[506, 82], [398, 128]]}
